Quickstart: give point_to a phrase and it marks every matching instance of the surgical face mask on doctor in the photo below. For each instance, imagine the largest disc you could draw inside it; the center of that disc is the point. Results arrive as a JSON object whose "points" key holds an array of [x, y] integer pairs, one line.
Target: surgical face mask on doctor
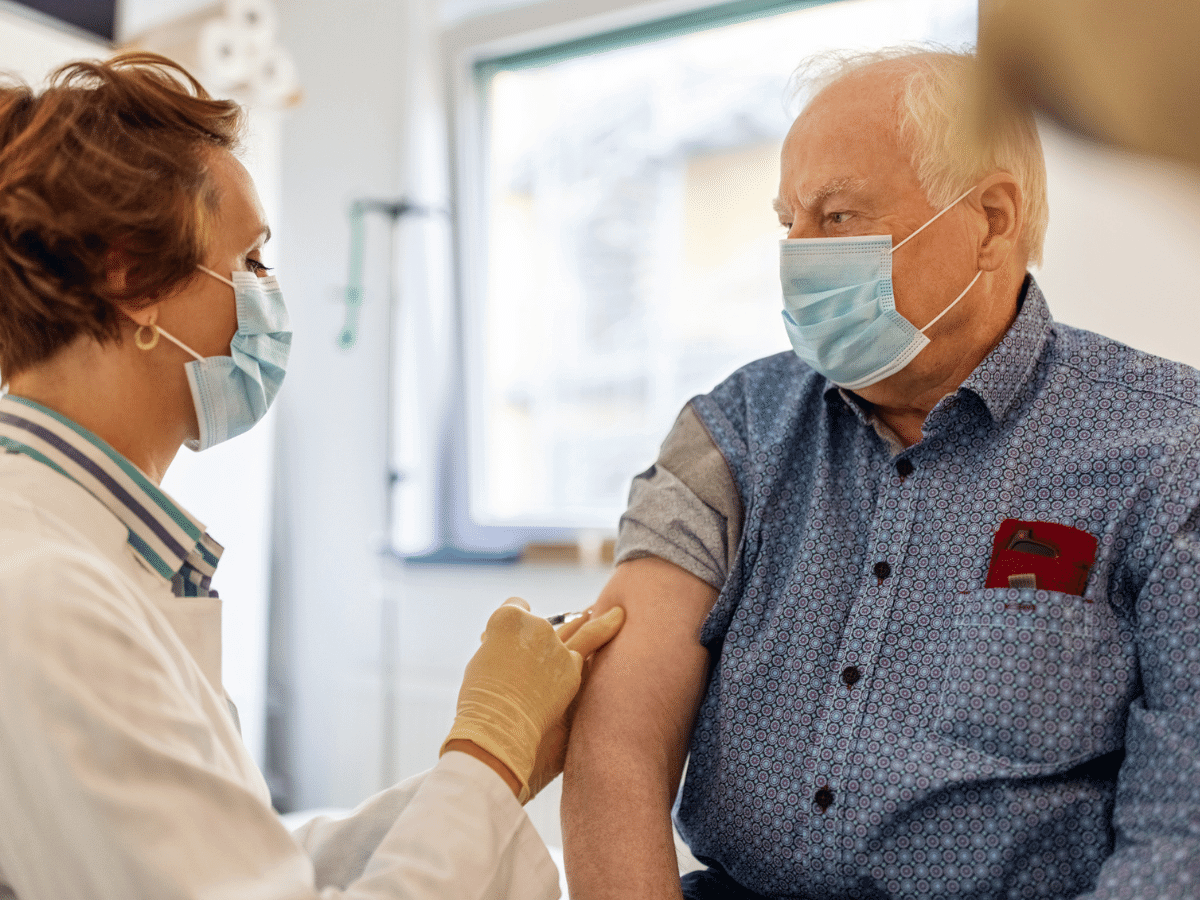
{"points": [[839, 309], [231, 393]]}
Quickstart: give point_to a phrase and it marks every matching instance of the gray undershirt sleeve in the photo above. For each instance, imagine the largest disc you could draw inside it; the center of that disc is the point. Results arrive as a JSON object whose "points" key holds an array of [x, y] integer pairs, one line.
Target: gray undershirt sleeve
{"points": [[685, 508]]}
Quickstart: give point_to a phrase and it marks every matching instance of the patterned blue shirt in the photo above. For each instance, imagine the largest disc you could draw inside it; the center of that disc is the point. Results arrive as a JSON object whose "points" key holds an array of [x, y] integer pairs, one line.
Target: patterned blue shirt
{"points": [[167, 539], [878, 723]]}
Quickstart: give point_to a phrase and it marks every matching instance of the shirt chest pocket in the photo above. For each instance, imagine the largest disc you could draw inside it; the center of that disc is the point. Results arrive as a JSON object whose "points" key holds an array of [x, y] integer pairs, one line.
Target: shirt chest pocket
{"points": [[1037, 680]]}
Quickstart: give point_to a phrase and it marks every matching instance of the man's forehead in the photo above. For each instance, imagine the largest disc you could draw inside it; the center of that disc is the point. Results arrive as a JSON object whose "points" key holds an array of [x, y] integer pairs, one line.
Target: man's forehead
{"points": [[860, 108], [846, 140]]}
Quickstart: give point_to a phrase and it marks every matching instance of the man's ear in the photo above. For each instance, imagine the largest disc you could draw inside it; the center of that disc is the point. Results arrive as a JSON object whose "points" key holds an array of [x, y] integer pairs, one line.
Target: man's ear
{"points": [[1000, 204]]}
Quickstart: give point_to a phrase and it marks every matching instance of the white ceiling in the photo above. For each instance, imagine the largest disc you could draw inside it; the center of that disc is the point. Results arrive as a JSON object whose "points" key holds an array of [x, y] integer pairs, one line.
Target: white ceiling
{"points": [[137, 16]]}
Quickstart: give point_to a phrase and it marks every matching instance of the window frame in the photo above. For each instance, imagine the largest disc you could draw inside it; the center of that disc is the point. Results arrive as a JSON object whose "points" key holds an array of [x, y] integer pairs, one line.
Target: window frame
{"points": [[471, 51]]}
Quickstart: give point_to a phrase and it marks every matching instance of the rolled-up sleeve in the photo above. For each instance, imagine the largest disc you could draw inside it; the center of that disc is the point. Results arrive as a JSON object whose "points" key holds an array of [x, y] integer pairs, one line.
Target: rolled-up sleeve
{"points": [[685, 508]]}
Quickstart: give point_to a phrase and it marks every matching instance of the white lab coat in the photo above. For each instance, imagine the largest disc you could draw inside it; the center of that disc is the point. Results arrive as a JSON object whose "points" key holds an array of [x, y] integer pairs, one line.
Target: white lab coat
{"points": [[122, 774]]}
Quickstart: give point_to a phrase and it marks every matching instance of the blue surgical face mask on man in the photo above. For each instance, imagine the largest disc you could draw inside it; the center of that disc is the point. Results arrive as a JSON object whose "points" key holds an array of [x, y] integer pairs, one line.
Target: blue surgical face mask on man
{"points": [[839, 309], [232, 393]]}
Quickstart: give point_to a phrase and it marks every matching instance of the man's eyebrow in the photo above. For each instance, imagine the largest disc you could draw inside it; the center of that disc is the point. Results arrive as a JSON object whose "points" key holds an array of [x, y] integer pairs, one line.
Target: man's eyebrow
{"points": [[837, 186]]}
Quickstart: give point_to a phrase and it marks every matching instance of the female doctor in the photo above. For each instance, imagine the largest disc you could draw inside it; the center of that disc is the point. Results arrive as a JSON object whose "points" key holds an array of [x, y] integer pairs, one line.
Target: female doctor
{"points": [[136, 315]]}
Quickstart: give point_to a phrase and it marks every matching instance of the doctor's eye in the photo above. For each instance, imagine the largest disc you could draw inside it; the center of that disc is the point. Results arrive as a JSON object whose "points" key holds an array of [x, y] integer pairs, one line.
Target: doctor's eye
{"points": [[838, 218], [257, 267]]}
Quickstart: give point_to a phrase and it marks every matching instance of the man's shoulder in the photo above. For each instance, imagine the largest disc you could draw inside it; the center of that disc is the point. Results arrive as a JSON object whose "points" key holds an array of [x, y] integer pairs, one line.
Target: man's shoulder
{"points": [[1104, 361], [1131, 397], [785, 364], [771, 380], [765, 402]]}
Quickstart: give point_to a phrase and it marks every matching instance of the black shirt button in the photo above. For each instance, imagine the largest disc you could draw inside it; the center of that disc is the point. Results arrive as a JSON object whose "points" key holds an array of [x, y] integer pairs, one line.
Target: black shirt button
{"points": [[882, 570], [850, 676], [904, 468], [823, 798]]}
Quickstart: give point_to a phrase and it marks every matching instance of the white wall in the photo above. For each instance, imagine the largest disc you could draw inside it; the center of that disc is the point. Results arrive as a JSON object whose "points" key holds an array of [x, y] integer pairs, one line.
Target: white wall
{"points": [[1123, 247], [30, 49], [137, 16], [342, 143]]}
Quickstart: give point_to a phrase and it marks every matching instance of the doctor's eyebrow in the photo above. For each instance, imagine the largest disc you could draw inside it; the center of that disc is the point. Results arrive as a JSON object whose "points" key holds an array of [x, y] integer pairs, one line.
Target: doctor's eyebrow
{"points": [[261, 239]]}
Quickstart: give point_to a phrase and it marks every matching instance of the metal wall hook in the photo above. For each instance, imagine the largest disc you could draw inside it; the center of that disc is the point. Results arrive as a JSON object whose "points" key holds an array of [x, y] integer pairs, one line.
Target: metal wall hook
{"points": [[394, 210]]}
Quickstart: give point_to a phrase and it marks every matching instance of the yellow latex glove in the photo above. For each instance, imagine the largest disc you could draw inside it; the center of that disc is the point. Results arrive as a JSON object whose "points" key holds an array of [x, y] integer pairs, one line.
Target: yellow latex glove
{"points": [[519, 686]]}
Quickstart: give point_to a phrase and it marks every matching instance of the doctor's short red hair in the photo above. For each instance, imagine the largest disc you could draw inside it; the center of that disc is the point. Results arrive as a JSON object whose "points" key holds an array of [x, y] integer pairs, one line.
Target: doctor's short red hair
{"points": [[104, 197]]}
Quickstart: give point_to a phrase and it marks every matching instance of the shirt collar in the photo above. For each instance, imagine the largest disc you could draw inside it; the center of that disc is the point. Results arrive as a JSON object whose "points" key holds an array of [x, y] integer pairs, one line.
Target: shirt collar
{"points": [[166, 538], [1001, 378]]}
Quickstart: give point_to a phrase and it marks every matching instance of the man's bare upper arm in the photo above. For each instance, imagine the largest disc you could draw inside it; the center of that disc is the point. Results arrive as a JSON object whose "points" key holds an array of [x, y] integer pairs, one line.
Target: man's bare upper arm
{"points": [[646, 686]]}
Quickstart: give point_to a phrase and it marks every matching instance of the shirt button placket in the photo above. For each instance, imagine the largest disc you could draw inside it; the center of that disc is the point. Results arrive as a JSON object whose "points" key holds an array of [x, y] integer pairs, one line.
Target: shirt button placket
{"points": [[891, 532]]}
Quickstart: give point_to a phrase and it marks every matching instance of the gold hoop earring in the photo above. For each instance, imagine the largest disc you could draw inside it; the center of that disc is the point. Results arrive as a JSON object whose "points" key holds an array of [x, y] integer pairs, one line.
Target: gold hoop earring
{"points": [[144, 344]]}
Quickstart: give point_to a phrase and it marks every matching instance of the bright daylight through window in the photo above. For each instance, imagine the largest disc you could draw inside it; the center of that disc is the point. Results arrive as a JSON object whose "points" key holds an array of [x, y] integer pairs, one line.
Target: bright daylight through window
{"points": [[632, 253]]}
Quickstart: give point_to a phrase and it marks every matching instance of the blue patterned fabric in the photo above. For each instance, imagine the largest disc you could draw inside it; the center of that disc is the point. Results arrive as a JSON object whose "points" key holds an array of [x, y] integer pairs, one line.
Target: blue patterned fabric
{"points": [[877, 724]]}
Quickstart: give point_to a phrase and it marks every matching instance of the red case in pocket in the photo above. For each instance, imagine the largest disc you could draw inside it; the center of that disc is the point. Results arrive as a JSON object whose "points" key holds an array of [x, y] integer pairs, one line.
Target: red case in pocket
{"points": [[1043, 555]]}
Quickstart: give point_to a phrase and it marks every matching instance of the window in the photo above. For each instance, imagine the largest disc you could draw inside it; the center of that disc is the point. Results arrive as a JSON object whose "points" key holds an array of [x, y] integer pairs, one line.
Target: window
{"points": [[623, 249]]}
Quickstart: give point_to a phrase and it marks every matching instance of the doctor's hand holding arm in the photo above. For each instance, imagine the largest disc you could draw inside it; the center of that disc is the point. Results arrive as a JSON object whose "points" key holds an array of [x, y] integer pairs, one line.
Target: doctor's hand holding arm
{"points": [[513, 706], [137, 316]]}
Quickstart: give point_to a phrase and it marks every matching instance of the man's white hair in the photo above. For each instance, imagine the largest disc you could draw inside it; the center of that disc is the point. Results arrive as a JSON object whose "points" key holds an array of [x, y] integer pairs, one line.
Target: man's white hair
{"points": [[950, 149]]}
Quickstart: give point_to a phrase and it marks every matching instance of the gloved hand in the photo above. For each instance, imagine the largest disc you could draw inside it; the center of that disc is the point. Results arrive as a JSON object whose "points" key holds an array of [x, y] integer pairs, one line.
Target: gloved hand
{"points": [[519, 686]]}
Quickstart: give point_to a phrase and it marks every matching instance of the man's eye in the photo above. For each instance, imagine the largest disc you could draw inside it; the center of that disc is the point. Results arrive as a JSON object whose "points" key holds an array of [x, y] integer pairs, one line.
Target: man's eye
{"points": [[839, 218]]}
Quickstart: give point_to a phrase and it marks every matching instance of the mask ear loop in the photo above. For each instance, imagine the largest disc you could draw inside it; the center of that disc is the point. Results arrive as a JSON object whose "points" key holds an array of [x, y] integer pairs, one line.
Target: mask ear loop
{"points": [[182, 346], [922, 228], [156, 331], [934, 219], [951, 306], [208, 271]]}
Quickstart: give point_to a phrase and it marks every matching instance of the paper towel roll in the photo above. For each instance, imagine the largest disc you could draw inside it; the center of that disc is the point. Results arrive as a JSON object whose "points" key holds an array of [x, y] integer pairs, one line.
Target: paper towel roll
{"points": [[255, 20], [273, 79], [225, 56]]}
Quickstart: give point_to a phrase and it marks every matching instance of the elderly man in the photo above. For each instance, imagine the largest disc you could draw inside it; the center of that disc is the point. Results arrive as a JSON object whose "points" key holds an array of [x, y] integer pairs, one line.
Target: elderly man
{"points": [[921, 599]]}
